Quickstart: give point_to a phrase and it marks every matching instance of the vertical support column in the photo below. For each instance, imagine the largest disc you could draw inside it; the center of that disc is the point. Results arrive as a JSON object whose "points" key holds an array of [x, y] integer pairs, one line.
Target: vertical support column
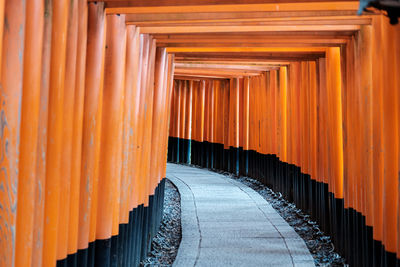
{"points": [[313, 120], [390, 144], [132, 80], [206, 143], [147, 140], [77, 133], [324, 143], [172, 124], [111, 141], [397, 70], [2, 11], [333, 71], [37, 253], [182, 117], [283, 112], [202, 95], [131, 106], [67, 133], [282, 122], [170, 85], [177, 107], [159, 99], [91, 133], [29, 133], [334, 100], [143, 59], [234, 125], [10, 109], [246, 123], [365, 88], [188, 120], [55, 130], [210, 132], [194, 123]]}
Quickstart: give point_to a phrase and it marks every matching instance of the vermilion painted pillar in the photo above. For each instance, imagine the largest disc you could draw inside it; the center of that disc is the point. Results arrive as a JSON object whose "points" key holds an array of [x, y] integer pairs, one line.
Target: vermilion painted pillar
{"points": [[335, 120], [77, 131], [29, 133], [119, 82], [2, 6], [273, 90], [168, 107], [37, 253], [55, 130], [10, 108], [91, 130], [367, 111], [246, 119], [313, 119], [283, 112], [145, 50], [67, 134], [168, 79], [397, 53], [188, 119], [111, 139], [148, 118], [390, 143], [138, 115], [159, 99], [132, 95]]}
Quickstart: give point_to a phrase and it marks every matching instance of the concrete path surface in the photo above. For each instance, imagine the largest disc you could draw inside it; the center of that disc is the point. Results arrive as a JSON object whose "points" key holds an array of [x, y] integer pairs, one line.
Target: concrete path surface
{"points": [[226, 223]]}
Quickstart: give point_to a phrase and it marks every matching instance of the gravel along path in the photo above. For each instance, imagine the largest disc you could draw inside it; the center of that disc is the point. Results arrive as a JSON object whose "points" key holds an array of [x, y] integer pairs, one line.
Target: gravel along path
{"points": [[165, 244]]}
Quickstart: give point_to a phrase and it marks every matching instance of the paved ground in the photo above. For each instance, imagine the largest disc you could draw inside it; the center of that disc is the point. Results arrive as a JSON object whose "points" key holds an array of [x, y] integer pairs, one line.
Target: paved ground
{"points": [[225, 223]]}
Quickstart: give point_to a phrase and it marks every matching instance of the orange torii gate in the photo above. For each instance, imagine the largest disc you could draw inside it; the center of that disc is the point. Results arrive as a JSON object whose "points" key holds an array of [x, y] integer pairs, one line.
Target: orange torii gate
{"points": [[303, 96]]}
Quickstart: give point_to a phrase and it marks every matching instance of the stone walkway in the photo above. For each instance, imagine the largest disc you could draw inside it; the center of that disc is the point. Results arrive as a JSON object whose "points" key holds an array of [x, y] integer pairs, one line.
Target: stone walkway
{"points": [[225, 223]]}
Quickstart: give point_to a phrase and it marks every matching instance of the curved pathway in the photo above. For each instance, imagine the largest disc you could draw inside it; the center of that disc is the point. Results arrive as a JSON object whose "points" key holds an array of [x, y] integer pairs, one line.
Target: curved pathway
{"points": [[226, 223]]}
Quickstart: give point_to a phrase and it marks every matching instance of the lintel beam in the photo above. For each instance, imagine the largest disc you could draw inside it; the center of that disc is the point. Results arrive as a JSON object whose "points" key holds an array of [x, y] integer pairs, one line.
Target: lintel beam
{"points": [[268, 7]]}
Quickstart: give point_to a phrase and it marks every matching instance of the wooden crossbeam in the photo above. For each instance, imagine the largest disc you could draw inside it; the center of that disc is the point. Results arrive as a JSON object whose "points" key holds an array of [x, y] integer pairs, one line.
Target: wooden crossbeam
{"points": [[247, 44], [231, 63], [235, 15], [245, 49], [240, 57], [200, 66], [317, 20], [206, 76], [270, 28], [223, 72], [141, 3], [269, 7]]}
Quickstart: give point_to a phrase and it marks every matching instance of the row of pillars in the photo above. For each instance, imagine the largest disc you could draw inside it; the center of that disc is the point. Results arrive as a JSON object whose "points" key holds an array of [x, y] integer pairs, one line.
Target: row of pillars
{"points": [[324, 133], [84, 102]]}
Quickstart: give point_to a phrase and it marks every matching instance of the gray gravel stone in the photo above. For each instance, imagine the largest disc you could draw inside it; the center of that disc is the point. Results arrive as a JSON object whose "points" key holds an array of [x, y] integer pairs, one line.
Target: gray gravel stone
{"points": [[165, 244]]}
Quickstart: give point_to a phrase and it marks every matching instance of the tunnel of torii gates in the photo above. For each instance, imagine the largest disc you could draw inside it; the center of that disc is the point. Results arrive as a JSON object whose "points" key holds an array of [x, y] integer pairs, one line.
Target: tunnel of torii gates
{"points": [[302, 96]]}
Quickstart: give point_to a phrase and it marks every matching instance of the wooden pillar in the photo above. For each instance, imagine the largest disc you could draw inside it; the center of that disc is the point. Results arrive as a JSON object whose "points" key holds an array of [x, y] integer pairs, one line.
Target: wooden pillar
{"points": [[390, 142], [77, 130], [91, 128], [167, 124], [10, 107], [335, 120], [111, 138], [139, 110], [132, 97], [283, 112], [37, 250], [55, 130], [29, 133], [158, 101], [67, 134]]}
